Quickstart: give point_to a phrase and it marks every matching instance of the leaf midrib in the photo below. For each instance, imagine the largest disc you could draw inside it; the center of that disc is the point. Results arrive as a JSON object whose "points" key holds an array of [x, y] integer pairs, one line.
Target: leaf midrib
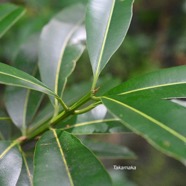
{"points": [[25, 80], [104, 42], [160, 124], [151, 87], [63, 156]]}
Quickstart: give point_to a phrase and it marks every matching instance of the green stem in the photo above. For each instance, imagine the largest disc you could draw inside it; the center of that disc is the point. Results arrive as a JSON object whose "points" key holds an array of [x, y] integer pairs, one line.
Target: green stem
{"points": [[84, 110], [63, 104], [64, 114]]}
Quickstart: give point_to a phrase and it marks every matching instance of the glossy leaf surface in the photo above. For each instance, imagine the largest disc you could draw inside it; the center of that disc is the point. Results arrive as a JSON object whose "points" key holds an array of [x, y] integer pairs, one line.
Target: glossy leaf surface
{"points": [[166, 83], [22, 104], [14, 77], [107, 24], [164, 130], [57, 162], [10, 163], [9, 15], [53, 42]]}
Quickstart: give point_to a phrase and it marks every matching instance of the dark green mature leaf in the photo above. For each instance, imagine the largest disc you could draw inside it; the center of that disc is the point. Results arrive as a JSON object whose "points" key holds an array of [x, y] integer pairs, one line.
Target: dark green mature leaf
{"points": [[9, 15], [97, 121], [167, 83], [25, 177], [108, 150], [16, 107], [158, 121], [10, 164], [107, 23], [5, 126], [12, 76], [54, 40], [22, 104], [61, 159], [72, 53]]}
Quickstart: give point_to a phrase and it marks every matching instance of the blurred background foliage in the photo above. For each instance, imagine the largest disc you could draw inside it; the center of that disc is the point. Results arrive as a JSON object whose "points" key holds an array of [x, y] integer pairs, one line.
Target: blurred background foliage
{"points": [[156, 39]]}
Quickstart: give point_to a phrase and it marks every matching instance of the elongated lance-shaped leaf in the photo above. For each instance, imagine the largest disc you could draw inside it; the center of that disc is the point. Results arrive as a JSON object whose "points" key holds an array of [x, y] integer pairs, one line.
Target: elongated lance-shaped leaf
{"points": [[9, 15], [14, 77], [54, 39], [72, 53], [61, 159], [22, 104], [157, 120], [107, 23], [166, 83], [10, 163]]}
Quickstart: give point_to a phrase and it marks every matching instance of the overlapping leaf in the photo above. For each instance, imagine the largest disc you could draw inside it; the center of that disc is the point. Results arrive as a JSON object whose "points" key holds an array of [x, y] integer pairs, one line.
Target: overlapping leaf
{"points": [[55, 59], [15, 169], [10, 163], [22, 104], [9, 15], [156, 120], [97, 121], [57, 162], [14, 77], [108, 150], [166, 83], [106, 24]]}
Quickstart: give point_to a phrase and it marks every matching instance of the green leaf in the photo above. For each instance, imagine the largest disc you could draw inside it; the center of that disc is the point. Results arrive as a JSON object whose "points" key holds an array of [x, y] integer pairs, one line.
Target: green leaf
{"points": [[25, 178], [157, 120], [43, 116], [60, 158], [108, 150], [15, 106], [10, 164], [97, 121], [22, 104], [54, 40], [14, 77], [72, 53], [166, 83], [107, 23], [9, 15], [5, 126]]}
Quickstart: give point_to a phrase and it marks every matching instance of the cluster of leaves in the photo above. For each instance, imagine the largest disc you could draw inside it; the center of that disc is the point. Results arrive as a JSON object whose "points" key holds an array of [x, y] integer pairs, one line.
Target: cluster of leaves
{"points": [[41, 132]]}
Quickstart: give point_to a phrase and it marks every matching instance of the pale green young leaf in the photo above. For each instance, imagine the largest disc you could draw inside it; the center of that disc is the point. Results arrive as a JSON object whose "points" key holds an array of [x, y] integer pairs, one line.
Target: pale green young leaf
{"points": [[107, 23], [57, 161], [9, 15]]}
